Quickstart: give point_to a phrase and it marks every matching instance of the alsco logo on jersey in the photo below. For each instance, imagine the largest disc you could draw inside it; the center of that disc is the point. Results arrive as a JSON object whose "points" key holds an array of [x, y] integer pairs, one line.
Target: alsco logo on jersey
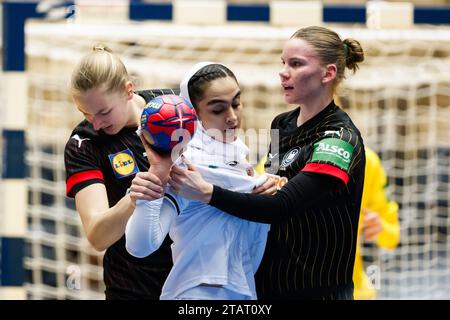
{"points": [[123, 163], [335, 151]]}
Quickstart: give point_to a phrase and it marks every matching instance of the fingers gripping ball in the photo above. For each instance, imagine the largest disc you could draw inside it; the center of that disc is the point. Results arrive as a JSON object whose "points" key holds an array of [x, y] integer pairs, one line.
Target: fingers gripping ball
{"points": [[162, 119]]}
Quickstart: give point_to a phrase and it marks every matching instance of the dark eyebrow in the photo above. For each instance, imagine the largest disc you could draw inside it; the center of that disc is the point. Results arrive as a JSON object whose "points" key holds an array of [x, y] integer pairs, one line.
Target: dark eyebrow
{"points": [[214, 101]]}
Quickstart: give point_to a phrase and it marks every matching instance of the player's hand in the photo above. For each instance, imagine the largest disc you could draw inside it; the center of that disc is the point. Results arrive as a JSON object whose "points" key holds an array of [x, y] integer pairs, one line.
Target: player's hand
{"points": [[269, 187], [189, 184], [146, 186], [371, 224], [159, 163]]}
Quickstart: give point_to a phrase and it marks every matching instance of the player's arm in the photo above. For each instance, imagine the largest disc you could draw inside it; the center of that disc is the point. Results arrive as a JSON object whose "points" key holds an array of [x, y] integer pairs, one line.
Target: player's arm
{"points": [[151, 220], [326, 172], [389, 237], [149, 225], [103, 225], [298, 194], [378, 203]]}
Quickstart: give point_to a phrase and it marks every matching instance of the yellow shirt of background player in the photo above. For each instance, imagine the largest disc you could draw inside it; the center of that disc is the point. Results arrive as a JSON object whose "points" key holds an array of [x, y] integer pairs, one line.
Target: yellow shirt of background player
{"points": [[374, 199]]}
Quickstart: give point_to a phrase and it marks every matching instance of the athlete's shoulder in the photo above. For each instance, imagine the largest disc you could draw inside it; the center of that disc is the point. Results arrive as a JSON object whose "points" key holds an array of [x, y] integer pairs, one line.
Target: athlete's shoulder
{"points": [[336, 139], [83, 140], [371, 154], [344, 120], [279, 120], [338, 125], [373, 161], [85, 128], [82, 132]]}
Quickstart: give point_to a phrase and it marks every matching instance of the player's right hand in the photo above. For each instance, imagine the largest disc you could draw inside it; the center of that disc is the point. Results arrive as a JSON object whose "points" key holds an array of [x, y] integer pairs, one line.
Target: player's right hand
{"points": [[265, 186], [146, 186], [160, 164]]}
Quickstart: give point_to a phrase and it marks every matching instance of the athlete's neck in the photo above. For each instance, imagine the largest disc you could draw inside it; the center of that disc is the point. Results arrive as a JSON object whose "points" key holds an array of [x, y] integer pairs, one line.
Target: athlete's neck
{"points": [[311, 109], [137, 104]]}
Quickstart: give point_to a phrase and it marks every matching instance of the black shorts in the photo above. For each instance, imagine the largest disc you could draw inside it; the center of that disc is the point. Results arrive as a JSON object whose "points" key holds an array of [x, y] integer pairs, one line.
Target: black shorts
{"points": [[116, 294]]}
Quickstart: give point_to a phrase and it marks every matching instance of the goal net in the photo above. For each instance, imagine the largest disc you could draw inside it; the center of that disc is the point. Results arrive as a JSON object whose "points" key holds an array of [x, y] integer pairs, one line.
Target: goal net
{"points": [[400, 99]]}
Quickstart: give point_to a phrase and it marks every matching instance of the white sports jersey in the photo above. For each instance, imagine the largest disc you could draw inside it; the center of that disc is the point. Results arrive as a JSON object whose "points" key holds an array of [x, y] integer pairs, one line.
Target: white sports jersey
{"points": [[210, 247]]}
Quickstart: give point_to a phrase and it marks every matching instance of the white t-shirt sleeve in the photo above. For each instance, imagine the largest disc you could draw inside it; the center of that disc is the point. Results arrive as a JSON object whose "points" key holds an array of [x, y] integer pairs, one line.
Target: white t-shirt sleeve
{"points": [[179, 203], [149, 225]]}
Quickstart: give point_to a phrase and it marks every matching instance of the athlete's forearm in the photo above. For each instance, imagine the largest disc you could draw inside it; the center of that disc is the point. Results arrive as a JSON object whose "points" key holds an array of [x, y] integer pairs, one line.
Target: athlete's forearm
{"points": [[107, 227], [148, 226], [292, 199]]}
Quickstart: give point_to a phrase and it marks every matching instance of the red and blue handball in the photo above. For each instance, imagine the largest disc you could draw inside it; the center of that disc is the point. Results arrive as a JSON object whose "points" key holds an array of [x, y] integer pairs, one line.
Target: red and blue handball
{"points": [[168, 120]]}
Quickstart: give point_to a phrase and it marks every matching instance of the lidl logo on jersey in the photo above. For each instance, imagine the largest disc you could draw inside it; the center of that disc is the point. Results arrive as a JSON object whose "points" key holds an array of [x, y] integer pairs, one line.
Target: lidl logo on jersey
{"points": [[334, 151], [123, 163]]}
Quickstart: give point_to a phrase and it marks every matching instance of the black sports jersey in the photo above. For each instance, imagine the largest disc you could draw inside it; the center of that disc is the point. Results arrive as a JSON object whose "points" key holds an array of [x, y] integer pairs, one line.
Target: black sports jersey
{"points": [[95, 157], [312, 241]]}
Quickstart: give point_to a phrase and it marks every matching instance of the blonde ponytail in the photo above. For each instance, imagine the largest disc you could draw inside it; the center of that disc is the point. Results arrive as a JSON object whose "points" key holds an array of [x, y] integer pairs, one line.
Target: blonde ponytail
{"points": [[99, 69]]}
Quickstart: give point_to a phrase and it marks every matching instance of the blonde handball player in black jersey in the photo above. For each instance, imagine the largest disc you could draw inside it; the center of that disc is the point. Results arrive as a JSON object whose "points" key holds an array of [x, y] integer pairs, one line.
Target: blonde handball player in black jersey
{"points": [[102, 156]]}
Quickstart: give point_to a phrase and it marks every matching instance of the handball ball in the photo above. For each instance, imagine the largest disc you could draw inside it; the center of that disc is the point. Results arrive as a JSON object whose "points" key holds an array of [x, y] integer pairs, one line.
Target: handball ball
{"points": [[162, 116]]}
